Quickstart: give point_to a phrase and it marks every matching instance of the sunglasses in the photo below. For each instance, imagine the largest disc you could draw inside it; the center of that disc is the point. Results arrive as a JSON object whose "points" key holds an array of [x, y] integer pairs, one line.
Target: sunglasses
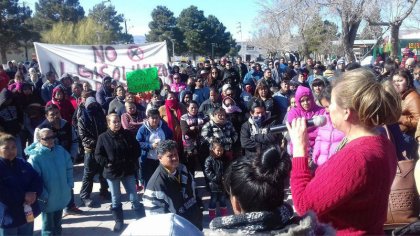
{"points": [[48, 138]]}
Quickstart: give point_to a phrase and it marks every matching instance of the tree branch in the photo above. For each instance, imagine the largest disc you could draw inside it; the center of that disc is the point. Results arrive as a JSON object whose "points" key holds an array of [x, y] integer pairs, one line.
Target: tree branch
{"points": [[407, 13]]}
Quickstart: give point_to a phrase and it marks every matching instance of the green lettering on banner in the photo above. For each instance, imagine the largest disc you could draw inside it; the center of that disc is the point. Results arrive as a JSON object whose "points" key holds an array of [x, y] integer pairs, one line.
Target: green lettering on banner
{"points": [[143, 80]]}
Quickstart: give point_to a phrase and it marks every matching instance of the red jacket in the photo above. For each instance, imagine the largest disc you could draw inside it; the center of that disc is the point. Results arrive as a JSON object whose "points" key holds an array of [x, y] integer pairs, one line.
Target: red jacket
{"points": [[351, 189], [4, 80], [64, 105]]}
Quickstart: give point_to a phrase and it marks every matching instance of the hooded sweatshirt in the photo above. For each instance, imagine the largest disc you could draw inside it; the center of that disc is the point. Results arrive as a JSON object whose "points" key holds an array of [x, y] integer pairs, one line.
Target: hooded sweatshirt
{"points": [[64, 105], [146, 136], [298, 111], [56, 170]]}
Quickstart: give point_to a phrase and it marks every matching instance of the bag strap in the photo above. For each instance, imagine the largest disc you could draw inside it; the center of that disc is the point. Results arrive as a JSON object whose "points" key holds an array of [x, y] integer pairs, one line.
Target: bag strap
{"points": [[391, 138]]}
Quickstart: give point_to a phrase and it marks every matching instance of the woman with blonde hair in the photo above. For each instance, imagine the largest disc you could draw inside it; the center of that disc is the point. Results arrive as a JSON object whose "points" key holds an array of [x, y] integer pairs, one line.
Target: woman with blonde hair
{"points": [[351, 190]]}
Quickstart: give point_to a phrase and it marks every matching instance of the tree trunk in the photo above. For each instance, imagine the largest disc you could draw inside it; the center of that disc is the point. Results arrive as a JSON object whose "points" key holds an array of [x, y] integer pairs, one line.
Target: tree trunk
{"points": [[3, 55], [395, 29], [349, 35], [305, 50]]}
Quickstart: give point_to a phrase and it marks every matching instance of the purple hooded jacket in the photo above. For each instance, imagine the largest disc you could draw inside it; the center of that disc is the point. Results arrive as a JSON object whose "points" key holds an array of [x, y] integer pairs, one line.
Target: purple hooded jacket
{"points": [[298, 111]]}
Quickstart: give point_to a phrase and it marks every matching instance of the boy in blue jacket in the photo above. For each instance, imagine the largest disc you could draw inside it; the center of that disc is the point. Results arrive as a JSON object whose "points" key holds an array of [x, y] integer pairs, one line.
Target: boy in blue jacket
{"points": [[20, 184]]}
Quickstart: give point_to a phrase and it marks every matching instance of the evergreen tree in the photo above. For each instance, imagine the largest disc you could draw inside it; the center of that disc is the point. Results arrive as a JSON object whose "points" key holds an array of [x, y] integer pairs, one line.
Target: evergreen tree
{"points": [[319, 34], [13, 26], [48, 12], [193, 25], [216, 33], [163, 28], [111, 20]]}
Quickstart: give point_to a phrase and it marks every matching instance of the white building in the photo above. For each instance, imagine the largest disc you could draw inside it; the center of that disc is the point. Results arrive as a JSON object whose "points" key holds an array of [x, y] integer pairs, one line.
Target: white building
{"points": [[251, 53]]}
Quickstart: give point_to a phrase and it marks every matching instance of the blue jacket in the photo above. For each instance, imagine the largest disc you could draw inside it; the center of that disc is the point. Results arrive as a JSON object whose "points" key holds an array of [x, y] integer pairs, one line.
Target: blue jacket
{"points": [[143, 136], [200, 95], [104, 97], [47, 89], [253, 76], [16, 178], [56, 169]]}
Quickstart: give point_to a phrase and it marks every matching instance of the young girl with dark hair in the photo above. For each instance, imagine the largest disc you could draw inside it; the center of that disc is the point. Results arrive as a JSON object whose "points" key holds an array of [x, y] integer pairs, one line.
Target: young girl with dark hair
{"points": [[214, 170]]}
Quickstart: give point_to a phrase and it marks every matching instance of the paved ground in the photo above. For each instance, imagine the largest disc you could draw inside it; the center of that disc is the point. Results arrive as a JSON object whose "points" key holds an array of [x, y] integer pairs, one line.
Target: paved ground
{"points": [[98, 221]]}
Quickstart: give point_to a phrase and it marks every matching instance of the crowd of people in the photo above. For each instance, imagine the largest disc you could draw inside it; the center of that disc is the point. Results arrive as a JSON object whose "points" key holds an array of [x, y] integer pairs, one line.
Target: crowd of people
{"points": [[216, 117]]}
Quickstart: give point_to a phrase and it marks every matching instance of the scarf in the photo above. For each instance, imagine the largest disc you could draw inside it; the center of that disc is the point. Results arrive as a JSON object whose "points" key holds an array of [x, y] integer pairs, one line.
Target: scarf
{"points": [[172, 105], [253, 222]]}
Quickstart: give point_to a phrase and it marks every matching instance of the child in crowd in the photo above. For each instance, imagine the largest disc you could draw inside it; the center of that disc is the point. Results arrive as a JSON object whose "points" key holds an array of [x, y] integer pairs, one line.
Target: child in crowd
{"points": [[328, 137], [20, 186], [214, 171]]}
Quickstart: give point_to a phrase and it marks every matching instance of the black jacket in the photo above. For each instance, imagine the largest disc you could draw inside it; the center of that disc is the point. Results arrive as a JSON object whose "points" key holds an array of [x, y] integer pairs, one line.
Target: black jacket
{"points": [[242, 70], [214, 170], [258, 138], [165, 194], [117, 153], [207, 107], [91, 124], [63, 135]]}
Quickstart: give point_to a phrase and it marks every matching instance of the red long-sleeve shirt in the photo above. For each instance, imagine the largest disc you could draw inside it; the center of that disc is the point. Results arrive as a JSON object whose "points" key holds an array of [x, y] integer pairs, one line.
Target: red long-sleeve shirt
{"points": [[350, 190]]}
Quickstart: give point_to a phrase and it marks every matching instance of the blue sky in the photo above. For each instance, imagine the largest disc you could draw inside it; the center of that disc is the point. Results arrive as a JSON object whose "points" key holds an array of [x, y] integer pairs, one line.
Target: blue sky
{"points": [[138, 12]]}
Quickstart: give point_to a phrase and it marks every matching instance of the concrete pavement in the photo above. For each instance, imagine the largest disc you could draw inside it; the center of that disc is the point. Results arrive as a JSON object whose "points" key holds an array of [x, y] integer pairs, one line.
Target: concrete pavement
{"points": [[98, 221]]}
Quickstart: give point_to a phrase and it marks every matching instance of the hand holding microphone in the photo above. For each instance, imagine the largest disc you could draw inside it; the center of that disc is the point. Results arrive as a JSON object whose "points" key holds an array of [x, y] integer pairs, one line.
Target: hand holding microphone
{"points": [[299, 135], [316, 121]]}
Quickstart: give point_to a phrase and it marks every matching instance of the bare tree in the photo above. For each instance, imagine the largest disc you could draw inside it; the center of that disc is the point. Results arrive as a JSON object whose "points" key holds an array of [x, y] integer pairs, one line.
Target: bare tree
{"points": [[395, 11], [283, 25], [351, 14]]}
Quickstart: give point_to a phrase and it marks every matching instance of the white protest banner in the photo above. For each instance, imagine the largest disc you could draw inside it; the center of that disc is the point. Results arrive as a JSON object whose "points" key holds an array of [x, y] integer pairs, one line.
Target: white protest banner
{"points": [[91, 62]]}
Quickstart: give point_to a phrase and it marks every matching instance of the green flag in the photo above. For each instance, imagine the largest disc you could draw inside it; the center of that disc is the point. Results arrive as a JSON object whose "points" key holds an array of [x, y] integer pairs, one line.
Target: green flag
{"points": [[143, 80]]}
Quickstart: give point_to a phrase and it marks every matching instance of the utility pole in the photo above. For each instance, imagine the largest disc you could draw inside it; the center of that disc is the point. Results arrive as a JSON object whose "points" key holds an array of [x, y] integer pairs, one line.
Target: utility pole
{"points": [[173, 47], [239, 27], [212, 50]]}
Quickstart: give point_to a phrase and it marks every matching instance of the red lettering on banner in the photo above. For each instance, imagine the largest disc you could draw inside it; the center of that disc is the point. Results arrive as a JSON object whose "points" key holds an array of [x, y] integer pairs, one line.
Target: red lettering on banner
{"points": [[116, 73], [110, 53], [135, 53], [101, 69], [98, 53], [162, 71], [84, 72]]}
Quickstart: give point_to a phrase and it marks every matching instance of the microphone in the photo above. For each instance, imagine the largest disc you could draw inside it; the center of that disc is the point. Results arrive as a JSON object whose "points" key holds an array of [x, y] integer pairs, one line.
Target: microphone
{"points": [[316, 121]]}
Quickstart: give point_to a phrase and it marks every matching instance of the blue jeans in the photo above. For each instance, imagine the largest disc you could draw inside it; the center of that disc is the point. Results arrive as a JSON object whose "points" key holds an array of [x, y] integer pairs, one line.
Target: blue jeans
{"points": [[129, 183], [217, 197], [51, 223], [25, 230]]}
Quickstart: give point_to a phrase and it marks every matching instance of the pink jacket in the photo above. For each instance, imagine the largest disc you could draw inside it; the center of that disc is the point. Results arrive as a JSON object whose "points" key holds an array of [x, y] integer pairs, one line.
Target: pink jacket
{"points": [[177, 88], [326, 142], [298, 111]]}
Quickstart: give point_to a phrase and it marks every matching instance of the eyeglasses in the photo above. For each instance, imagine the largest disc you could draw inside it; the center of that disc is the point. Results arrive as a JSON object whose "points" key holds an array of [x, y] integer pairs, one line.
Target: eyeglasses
{"points": [[48, 138]]}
